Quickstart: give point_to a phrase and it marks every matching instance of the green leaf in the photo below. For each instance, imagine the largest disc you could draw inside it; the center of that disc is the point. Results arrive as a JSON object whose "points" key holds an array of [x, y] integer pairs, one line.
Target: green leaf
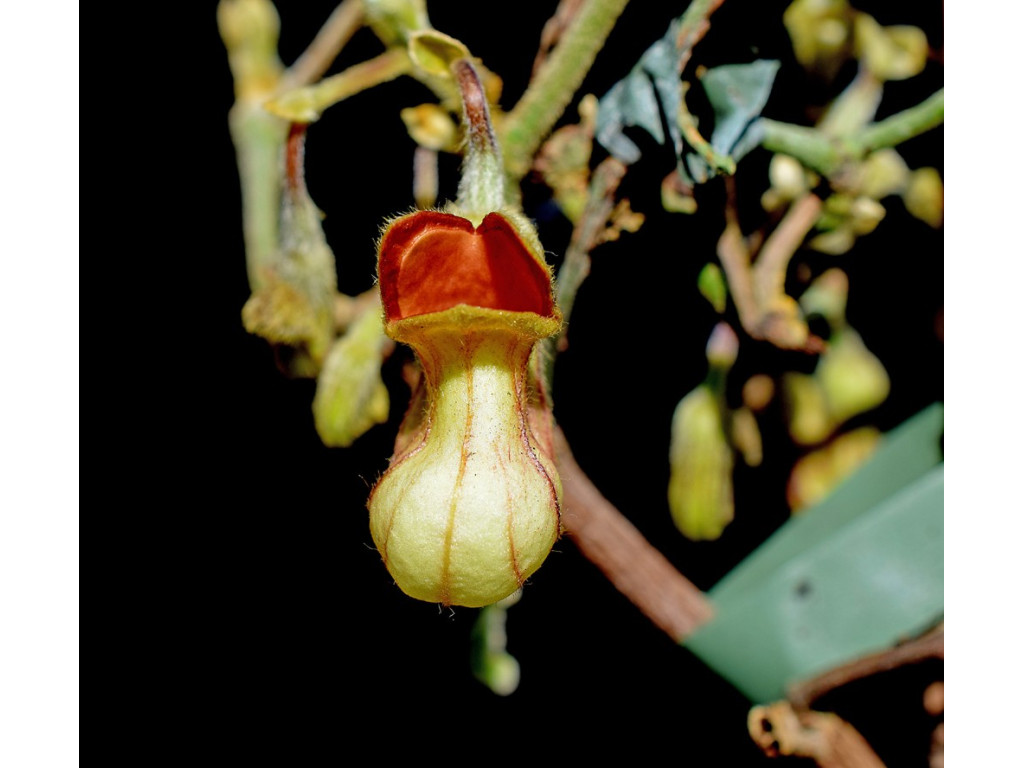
{"points": [[853, 575], [738, 93]]}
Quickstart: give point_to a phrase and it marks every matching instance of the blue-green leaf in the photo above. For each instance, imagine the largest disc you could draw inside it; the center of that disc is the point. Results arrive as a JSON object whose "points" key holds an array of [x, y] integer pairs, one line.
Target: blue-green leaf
{"points": [[634, 101], [738, 93]]}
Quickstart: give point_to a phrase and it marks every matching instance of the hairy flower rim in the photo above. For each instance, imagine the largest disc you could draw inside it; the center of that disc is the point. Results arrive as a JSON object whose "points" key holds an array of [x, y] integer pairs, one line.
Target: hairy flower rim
{"points": [[430, 262]]}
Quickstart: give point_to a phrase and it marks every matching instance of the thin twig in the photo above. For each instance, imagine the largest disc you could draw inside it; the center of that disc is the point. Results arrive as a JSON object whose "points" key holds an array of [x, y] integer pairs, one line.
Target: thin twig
{"points": [[306, 104], [929, 646], [765, 311], [343, 22], [735, 258], [632, 565], [694, 25], [905, 125], [688, 126]]}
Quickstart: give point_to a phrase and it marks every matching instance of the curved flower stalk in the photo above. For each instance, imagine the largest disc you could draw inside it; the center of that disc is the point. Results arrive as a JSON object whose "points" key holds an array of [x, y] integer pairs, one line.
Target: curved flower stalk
{"points": [[469, 507]]}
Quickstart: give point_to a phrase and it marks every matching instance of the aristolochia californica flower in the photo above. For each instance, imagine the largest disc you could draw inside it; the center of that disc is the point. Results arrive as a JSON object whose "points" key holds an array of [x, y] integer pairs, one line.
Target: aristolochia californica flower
{"points": [[469, 507]]}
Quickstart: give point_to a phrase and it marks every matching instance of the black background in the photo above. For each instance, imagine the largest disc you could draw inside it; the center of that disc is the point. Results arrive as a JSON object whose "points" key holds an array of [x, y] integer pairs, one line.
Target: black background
{"points": [[303, 641]]}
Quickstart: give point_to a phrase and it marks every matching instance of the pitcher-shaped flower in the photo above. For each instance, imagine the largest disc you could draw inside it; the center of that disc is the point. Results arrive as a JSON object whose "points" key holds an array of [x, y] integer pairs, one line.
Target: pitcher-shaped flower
{"points": [[469, 507]]}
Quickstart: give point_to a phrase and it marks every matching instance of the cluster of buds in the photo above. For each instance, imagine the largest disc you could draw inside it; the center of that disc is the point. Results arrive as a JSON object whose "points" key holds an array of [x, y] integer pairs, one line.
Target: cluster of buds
{"points": [[825, 34]]}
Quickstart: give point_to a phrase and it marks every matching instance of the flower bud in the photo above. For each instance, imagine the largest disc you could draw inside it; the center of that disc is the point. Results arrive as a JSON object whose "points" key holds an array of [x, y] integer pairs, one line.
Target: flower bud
{"points": [[883, 172], [701, 460], [820, 32], [350, 395], [711, 284], [700, 457], [890, 53], [853, 379], [923, 196], [815, 475]]}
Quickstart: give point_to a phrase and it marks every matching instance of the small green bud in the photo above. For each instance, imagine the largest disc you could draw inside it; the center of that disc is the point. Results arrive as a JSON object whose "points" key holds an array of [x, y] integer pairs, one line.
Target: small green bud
{"points": [[924, 197], [723, 346], [746, 436], [890, 53], [827, 297], [809, 420], [430, 126], [883, 173], [492, 664], [865, 215], [701, 463], [711, 284], [851, 377], [820, 32], [350, 395], [788, 177], [834, 243], [815, 475]]}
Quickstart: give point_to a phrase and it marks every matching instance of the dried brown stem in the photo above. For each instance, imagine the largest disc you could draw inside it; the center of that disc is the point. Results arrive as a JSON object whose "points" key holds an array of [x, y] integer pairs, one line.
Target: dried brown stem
{"points": [[773, 259], [332, 37], [765, 311], [735, 258], [929, 646], [822, 736], [632, 565]]}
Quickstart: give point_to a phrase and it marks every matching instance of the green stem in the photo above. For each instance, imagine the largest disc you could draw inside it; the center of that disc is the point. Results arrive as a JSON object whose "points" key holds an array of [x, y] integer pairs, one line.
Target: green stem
{"points": [[808, 145], [343, 22], [904, 125], [557, 81], [821, 153], [258, 138], [305, 105], [688, 126]]}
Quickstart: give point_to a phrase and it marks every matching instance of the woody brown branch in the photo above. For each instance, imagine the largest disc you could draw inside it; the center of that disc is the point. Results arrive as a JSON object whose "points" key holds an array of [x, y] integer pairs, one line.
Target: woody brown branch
{"points": [[930, 646], [627, 559]]}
